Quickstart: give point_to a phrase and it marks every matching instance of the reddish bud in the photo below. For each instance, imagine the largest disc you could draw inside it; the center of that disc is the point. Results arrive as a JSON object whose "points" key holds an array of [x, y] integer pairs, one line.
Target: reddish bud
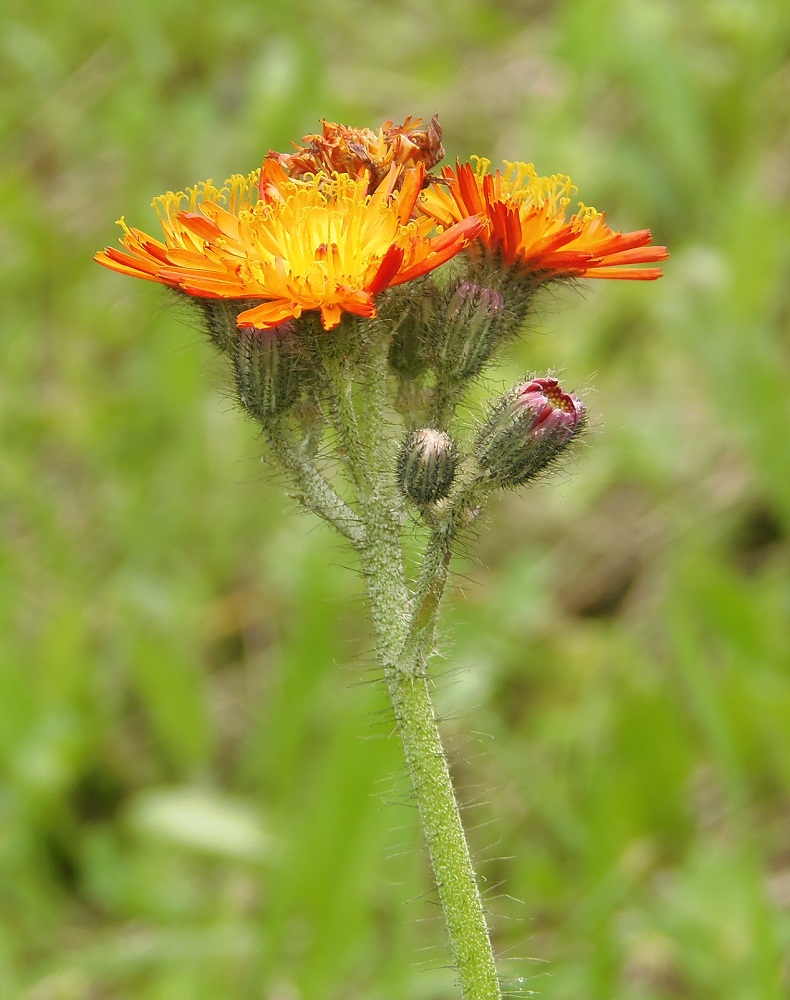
{"points": [[528, 428]]}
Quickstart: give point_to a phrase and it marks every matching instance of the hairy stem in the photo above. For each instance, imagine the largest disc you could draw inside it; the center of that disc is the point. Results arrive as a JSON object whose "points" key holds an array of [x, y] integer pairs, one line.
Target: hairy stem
{"points": [[317, 494], [409, 693], [404, 624], [444, 833], [404, 643], [436, 564], [445, 402]]}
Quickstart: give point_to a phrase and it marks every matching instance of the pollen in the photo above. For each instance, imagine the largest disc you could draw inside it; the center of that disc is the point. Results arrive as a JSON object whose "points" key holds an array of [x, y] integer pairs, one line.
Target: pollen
{"points": [[558, 400]]}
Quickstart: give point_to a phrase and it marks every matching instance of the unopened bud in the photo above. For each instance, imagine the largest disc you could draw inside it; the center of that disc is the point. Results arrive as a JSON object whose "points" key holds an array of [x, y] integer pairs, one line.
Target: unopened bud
{"points": [[409, 313], [470, 331], [269, 370], [528, 428], [220, 316], [426, 467]]}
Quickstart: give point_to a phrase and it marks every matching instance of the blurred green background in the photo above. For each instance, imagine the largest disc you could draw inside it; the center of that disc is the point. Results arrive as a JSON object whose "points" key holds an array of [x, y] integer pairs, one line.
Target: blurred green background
{"points": [[200, 794]]}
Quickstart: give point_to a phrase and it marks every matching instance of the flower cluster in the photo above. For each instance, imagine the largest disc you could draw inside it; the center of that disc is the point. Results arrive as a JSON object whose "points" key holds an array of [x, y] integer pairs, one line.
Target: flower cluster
{"points": [[355, 224], [334, 224]]}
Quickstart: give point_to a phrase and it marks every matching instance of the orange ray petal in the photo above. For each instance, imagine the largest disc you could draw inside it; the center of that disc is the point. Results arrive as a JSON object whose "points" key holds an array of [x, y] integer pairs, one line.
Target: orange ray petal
{"points": [[199, 225], [624, 273], [388, 268], [639, 255], [125, 263], [268, 314]]}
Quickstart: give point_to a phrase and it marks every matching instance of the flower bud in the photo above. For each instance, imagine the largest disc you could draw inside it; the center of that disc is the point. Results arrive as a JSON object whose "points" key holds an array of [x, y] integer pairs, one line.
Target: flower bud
{"points": [[409, 314], [426, 467], [269, 370], [470, 331], [528, 428], [220, 317]]}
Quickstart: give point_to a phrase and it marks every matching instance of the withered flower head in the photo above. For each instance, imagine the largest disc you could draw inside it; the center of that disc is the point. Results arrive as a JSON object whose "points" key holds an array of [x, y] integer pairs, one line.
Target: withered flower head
{"points": [[341, 149]]}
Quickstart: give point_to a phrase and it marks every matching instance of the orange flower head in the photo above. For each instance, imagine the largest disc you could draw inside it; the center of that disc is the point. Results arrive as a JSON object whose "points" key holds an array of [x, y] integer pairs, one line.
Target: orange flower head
{"points": [[527, 223], [322, 243], [341, 149]]}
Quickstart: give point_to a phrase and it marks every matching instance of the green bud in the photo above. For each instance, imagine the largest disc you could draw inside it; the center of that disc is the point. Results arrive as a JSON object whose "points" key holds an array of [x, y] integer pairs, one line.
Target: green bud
{"points": [[527, 429], [470, 330], [220, 316], [269, 370], [408, 313], [426, 467]]}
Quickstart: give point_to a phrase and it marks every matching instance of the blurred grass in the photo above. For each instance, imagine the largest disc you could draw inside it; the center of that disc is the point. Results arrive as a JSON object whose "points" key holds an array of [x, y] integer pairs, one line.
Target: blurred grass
{"points": [[199, 797]]}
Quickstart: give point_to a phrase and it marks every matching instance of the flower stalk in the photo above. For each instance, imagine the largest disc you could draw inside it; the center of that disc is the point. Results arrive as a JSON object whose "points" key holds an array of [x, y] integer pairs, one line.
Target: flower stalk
{"points": [[405, 645]]}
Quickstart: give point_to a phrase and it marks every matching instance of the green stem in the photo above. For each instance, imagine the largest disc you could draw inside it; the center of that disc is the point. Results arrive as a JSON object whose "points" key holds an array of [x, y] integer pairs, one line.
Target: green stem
{"points": [[445, 402], [447, 846], [436, 564], [316, 493], [404, 627], [410, 696], [404, 644], [343, 417]]}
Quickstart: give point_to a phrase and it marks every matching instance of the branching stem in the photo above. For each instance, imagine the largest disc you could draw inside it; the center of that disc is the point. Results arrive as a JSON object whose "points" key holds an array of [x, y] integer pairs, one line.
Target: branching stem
{"points": [[316, 493], [405, 631], [404, 625]]}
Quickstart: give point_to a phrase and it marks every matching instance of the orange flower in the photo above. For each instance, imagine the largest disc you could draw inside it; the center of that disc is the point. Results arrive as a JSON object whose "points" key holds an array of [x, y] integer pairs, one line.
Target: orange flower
{"points": [[340, 149], [527, 223], [323, 243]]}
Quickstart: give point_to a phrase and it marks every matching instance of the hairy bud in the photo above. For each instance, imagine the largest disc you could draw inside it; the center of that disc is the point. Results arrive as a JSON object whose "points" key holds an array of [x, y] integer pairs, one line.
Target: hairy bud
{"points": [[426, 467], [410, 314], [470, 331], [220, 316], [527, 429], [269, 370]]}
